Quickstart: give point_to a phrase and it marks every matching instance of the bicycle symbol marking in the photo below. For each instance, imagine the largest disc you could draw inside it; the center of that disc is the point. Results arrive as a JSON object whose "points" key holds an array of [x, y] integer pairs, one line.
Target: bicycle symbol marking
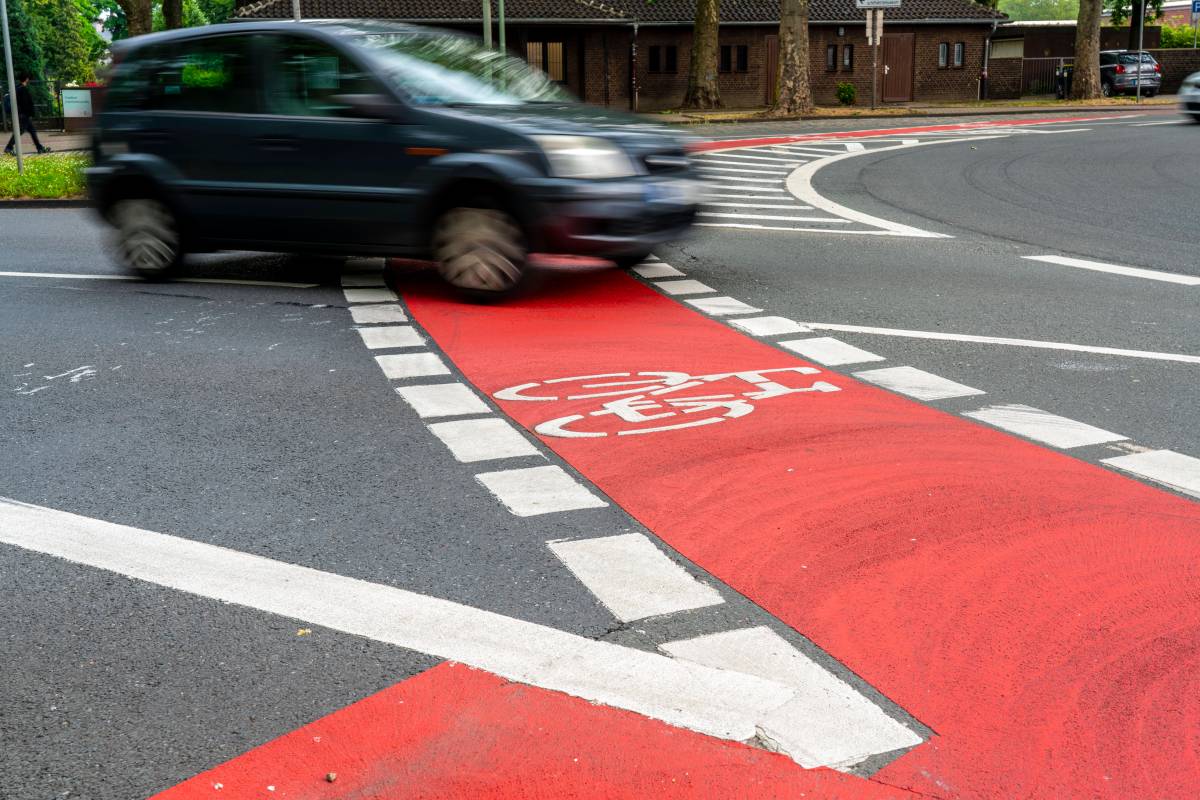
{"points": [[648, 397]]}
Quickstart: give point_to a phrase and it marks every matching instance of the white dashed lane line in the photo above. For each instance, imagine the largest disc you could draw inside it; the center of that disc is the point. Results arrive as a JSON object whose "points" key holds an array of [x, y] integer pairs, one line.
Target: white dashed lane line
{"points": [[376, 315], [372, 295], [632, 577], [830, 352], [1167, 467], [916, 383], [1042, 426], [723, 306], [390, 336], [657, 269], [768, 326], [442, 400], [398, 366], [532, 491], [485, 439], [684, 287]]}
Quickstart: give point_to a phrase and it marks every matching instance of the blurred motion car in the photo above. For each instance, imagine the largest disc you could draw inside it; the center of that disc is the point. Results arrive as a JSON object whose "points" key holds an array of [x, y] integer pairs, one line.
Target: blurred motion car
{"points": [[1120, 71], [372, 139], [1189, 96]]}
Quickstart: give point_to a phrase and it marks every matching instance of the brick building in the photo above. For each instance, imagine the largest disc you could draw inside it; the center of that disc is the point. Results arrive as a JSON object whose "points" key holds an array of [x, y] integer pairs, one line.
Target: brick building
{"points": [[634, 53]]}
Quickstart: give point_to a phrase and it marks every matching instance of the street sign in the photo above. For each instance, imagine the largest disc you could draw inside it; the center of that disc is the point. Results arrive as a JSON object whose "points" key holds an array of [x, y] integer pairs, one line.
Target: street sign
{"points": [[877, 3], [1195, 7]]}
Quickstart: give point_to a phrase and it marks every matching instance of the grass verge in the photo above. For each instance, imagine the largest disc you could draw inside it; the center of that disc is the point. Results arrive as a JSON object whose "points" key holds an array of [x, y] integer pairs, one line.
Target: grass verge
{"points": [[53, 176]]}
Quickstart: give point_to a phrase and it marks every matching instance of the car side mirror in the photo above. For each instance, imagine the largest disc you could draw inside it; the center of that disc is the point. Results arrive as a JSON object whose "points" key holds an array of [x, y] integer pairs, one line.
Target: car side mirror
{"points": [[369, 106]]}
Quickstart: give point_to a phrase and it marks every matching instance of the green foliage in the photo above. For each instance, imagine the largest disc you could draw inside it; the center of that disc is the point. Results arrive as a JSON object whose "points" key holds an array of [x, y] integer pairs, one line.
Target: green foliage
{"points": [[193, 16], [1179, 36], [66, 39], [112, 18], [27, 55], [1040, 9], [216, 11], [1121, 10], [48, 176], [846, 93]]}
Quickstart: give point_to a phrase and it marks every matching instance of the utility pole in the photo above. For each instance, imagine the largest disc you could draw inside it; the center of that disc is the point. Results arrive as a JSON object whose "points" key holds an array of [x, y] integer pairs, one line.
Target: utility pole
{"points": [[500, 13], [487, 24], [1141, 34], [12, 87]]}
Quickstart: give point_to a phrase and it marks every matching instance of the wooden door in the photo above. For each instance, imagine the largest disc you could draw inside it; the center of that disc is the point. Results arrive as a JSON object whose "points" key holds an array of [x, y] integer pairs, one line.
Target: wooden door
{"points": [[771, 71], [897, 67]]}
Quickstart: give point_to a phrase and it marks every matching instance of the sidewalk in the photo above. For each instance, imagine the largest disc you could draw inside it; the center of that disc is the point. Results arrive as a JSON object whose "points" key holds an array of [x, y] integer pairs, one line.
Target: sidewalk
{"points": [[976, 108]]}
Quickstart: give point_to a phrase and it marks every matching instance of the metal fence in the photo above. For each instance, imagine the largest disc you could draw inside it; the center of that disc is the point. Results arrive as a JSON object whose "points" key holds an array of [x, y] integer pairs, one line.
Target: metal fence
{"points": [[1038, 74]]}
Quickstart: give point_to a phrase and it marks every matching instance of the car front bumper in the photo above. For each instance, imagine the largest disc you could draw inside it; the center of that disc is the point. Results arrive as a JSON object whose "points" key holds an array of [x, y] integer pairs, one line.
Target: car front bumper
{"points": [[613, 218]]}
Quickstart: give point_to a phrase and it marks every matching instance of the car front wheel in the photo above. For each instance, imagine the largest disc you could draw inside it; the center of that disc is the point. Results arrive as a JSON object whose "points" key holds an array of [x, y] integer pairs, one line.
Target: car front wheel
{"points": [[147, 237], [479, 250]]}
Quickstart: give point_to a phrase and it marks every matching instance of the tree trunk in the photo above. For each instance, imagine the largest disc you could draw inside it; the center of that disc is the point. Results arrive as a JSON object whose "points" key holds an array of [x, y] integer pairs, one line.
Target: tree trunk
{"points": [[138, 16], [172, 14], [795, 89], [1085, 83], [1137, 18], [702, 91]]}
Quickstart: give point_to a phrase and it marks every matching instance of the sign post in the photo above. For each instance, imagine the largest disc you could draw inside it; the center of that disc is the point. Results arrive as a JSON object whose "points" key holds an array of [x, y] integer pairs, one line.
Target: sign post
{"points": [[1195, 19], [874, 9]]}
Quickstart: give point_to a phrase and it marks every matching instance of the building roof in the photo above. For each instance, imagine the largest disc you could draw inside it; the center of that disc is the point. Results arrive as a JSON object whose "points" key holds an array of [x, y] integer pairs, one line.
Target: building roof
{"points": [[678, 12]]}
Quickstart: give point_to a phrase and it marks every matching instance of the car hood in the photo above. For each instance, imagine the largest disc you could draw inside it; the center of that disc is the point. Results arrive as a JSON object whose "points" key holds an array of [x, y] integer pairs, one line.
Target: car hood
{"points": [[576, 119]]}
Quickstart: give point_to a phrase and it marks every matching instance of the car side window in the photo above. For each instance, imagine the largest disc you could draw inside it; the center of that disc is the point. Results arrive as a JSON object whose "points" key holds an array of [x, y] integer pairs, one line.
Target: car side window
{"points": [[213, 73], [305, 77]]}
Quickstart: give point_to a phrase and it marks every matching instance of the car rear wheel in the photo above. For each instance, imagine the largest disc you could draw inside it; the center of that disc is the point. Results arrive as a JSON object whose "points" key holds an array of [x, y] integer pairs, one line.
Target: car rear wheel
{"points": [[479, 250], [1106, 89], [147, 237]]}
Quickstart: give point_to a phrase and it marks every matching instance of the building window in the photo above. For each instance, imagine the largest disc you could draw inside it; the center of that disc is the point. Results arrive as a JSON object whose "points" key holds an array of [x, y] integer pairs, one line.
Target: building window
{"points": [[548, 57], [943, 55], [734, 58], [663, 59], [959, 49], [848, 57], [830, 57]]}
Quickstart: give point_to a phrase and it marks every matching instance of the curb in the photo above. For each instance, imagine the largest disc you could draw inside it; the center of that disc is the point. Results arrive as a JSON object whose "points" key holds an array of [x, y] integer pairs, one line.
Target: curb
{"points": [[48, 203], [966, 112]]}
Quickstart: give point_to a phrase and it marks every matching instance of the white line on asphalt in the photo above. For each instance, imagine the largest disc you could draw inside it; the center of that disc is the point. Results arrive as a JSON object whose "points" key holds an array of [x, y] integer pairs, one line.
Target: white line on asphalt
{"points": [[745, 157], [843, 727], [377, 314], [362, 280], [854, 146], [1132, 272], [829, 351], [471, 440], [768, 326], [722, 306], [1042, 426], [370, 295], [1164, 466], [397, 366], [772, 217], [684, 287], [659, 269], [708, 168], [632, 577], [916, 383], [799, 183], [748, 180], [793, 206], [965, 337], [721, 703], [752, 227], [442, 400], [531, 491], [1150, 124], [752, 197], [805, 150], [745, 188], [1053, 131], [386, 336], [83, 276]]}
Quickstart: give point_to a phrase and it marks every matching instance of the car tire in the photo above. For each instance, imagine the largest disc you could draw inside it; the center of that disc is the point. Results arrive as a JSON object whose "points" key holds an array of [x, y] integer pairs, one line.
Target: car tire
{"points": [[1150, 93], [1196, 118], [630, 261], [480, 251], [1106, 89], [148, 241]]}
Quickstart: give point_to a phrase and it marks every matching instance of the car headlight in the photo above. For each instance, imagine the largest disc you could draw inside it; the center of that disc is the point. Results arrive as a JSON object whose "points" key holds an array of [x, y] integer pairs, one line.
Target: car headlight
{"points": [[585, 157]]}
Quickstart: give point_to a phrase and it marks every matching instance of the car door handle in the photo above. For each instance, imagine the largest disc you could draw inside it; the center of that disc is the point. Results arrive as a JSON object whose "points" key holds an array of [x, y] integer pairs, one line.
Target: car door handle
{"points": [[277, 144]]}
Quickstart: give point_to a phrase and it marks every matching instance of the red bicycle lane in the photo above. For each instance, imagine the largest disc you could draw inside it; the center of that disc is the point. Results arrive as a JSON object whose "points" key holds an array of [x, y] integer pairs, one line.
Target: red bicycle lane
{"points": [[1037, 612]]}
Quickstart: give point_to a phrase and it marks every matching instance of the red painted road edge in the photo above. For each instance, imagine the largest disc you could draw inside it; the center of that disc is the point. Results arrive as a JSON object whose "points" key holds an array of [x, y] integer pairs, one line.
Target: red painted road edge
{"points": [[455, 732], [701, 147], [1039, 613]]}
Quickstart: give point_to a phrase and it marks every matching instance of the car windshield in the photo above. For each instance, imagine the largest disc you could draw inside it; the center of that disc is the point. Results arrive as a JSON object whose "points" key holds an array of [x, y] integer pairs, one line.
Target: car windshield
{"points": [[458, 70], [1131, 58]]}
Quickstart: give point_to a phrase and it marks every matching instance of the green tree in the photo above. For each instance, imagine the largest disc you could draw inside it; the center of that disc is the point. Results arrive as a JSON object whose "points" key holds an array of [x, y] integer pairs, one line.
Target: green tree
{"points": [[1135, 12], [63, 36], [216, 11], [702, 91], [794, 87], [1040, 9], [1178, 36], [26, 56], [192, 17], [1085, 83], [112, 19]]}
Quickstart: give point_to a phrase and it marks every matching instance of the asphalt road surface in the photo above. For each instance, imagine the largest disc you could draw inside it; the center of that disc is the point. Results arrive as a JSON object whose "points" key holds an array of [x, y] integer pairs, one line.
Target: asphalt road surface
{"points": [[244, 501]]}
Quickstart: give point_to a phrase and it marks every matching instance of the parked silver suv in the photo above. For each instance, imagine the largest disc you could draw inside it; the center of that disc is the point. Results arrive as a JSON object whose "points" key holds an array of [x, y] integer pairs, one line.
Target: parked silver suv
{"points": [[1120, 71]]}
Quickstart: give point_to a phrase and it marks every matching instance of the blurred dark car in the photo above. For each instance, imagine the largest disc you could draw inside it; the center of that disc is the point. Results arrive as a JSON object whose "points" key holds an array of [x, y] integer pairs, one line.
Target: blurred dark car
{"points": [[1120, 71], [372, 139]]}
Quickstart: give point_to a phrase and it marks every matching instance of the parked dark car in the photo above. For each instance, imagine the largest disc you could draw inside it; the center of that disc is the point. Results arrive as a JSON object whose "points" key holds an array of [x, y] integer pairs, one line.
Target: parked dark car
{"points": [[1120, 71], [372, 139]]}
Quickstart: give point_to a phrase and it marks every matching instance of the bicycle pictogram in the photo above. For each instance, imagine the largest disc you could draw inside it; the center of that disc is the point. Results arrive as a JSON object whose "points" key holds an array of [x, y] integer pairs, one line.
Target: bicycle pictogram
{"points": [[642, 402]]}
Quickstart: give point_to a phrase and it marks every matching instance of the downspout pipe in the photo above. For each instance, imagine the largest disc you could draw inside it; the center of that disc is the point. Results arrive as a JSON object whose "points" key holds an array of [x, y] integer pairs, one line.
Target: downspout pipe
{"points": [[987, 52], [633, 66]]}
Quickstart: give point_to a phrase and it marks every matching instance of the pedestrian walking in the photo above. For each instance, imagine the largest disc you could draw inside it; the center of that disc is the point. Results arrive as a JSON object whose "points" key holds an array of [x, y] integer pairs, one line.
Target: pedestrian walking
{"points": [[25, 116]]}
